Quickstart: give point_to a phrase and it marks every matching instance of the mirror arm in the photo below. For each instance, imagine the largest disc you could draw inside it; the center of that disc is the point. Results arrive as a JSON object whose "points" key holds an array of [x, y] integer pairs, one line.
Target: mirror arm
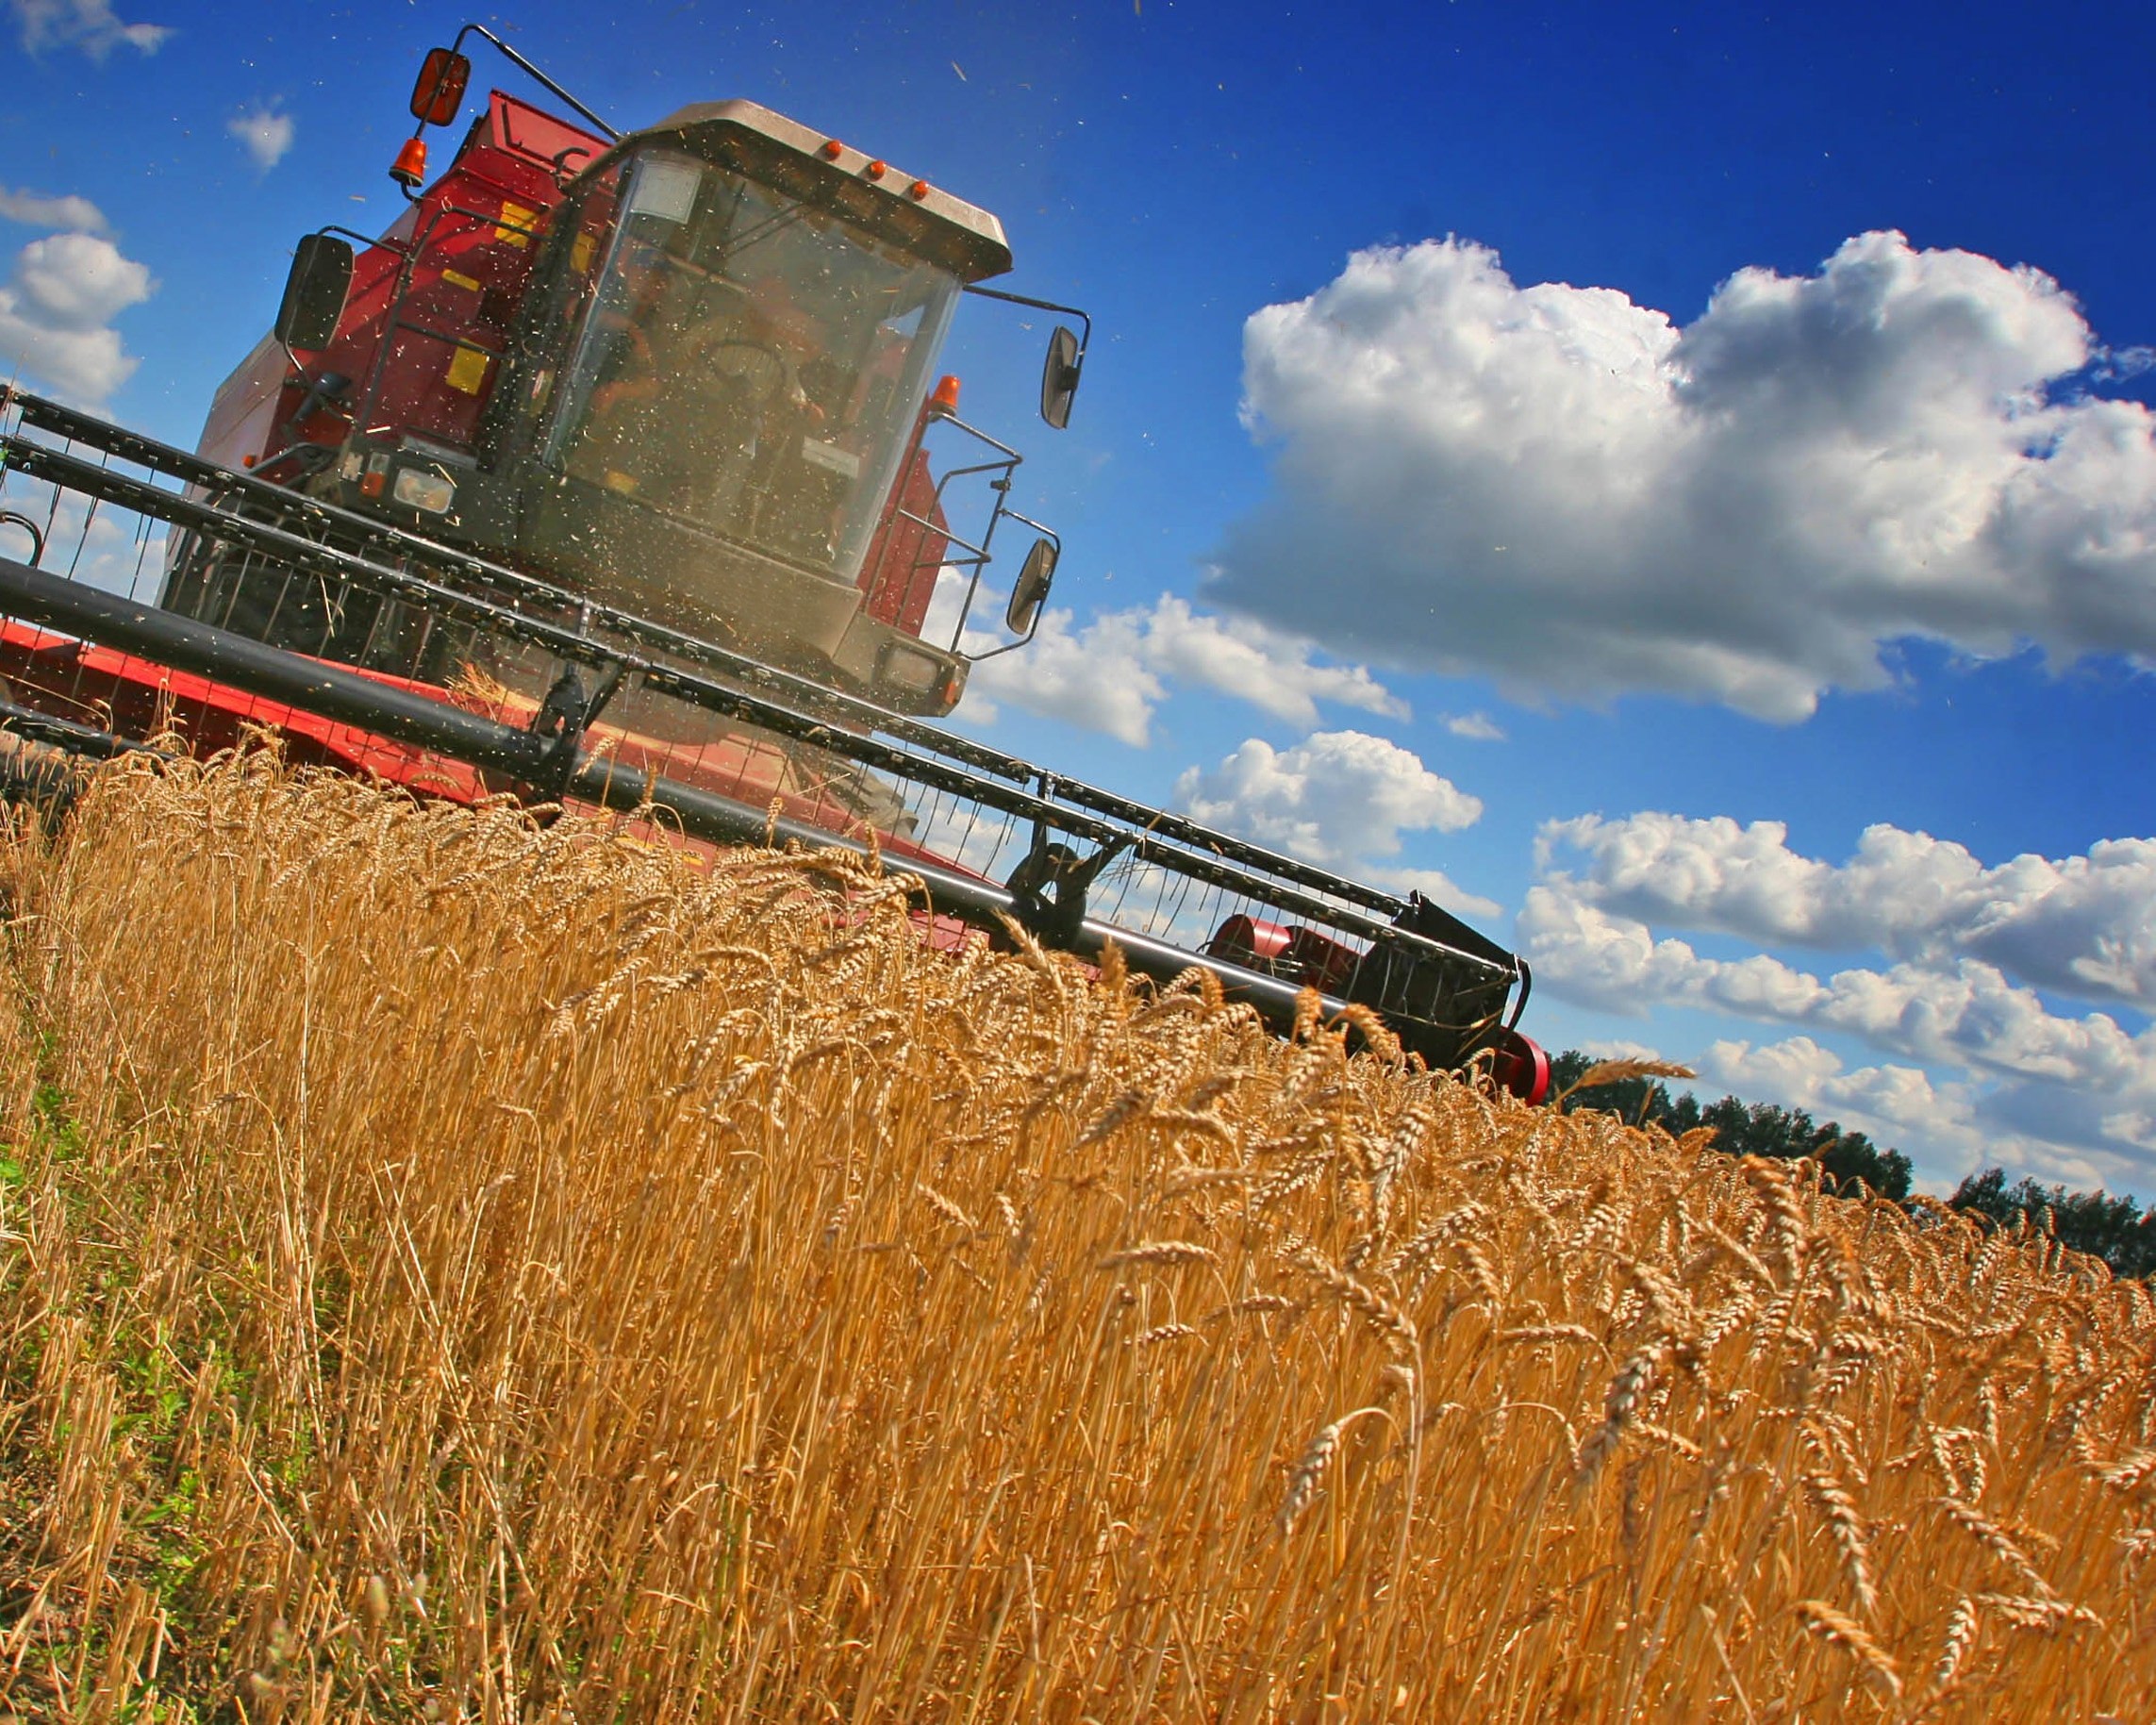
{"points": [[1085, 339], [613, 133], [1049, 533]]}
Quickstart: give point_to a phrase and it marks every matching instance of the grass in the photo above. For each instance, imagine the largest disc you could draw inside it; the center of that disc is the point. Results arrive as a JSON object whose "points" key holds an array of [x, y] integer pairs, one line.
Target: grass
{"points": [[449, 1270]]}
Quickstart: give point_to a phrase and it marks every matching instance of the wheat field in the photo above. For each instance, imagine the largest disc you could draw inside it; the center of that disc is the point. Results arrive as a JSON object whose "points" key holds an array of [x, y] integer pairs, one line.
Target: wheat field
{"points": [[452, 1270]]}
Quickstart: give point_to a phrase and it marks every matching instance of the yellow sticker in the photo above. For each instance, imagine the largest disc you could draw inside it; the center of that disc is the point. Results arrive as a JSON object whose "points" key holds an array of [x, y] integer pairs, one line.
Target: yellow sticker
{"points": [[580, 254], [515, 225], [617, 481], [468, 369], [457, 280]]}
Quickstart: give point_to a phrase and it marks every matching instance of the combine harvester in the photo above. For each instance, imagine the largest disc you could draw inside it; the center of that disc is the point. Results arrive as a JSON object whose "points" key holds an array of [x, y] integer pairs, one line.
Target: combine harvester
{"points": [[604, 476]]}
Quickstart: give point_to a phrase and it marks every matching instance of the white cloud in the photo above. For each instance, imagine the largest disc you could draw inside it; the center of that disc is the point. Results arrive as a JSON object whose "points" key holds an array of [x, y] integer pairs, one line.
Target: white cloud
{"points": [[1095, 677], [1437, 887], [1889, 1100], [1112, 674], [2078, 1081], [1243, 658], [32, 210], [1475, 727], [88, 24], [265, 133], [2083, 925], [1943, 1128], [1567, 490], [78, 281], [1617, 1048], [56, 310], [1334, 796]]}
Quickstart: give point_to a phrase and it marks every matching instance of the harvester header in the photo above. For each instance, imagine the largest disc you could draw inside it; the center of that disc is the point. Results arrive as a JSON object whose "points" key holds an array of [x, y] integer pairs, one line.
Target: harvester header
{"points": [[619, 472]]}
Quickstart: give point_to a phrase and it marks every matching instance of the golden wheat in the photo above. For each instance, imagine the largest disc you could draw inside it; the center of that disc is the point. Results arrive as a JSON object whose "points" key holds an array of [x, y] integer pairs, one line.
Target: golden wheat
{"points": [[454, 1269]]}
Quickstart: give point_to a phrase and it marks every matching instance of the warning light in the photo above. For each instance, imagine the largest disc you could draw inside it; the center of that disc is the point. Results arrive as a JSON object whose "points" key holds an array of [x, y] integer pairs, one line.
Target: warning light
{"points": [[876, 170], [918, 190], [832, 148], [409, 169], [944, 403]]}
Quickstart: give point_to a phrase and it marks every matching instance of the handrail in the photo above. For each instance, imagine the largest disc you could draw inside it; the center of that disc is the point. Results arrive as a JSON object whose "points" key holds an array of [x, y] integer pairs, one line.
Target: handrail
{"points": [[195, 472], [1216, 865]]}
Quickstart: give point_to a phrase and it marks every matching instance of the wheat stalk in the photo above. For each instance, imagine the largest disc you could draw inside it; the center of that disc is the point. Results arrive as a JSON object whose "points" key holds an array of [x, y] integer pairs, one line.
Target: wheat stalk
{"points": [[1830, 1625]]}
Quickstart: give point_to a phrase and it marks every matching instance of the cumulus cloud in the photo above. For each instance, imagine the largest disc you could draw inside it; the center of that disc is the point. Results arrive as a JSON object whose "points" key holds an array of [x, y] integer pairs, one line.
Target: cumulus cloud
{"points": [[1334, 797], [1094, 676], [30, 209], [92, 25], [55, 313], [1242, 657], [2083, 925], [264, 133], [1475, 727], [1948, 1129], [2098, 1080], [1437, 887], [1111, 673], [1567, 490], [1618, 1048], [1799, 1073]]}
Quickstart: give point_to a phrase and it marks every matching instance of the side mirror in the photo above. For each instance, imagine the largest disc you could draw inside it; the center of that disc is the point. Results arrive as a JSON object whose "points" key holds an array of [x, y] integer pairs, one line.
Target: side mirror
{"points": [[1059, 380], [1034, 576], [314, 292], [440, 91]]}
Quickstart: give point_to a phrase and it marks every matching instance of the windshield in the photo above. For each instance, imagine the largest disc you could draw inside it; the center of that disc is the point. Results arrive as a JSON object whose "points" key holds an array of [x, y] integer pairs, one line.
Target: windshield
{"points": [[749, 365]]}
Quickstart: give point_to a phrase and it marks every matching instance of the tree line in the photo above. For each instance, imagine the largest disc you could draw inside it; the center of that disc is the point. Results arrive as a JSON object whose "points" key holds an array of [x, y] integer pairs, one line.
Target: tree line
{"points": [[2116, 1230]]}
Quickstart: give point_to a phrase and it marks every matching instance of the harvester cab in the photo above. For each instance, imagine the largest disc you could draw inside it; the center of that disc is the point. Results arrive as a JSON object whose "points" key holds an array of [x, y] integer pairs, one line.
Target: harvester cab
{"points": [[602, 479], [688, 372]]}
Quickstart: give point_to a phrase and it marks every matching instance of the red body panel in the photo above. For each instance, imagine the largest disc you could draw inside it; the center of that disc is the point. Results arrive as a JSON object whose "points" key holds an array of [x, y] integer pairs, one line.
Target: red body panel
{"points": [[898, 577], [473, 234], [92, 685], [468, 244]]}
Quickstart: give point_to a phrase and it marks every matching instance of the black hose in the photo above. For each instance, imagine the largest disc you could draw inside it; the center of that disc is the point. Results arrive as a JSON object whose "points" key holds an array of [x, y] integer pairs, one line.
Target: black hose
{"points": [[14, 518]]}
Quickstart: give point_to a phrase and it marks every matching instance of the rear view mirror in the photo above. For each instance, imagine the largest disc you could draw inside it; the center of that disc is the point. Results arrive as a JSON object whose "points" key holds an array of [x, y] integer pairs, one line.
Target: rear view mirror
{"points": [[440, 91], [314, 292], [1059, 379], [1034, 576]]}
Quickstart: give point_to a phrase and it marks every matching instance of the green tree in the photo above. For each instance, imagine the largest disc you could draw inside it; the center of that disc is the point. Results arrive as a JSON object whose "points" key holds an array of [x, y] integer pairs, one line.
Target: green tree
{"points": [[2113, 1229], [1741, 1129]]}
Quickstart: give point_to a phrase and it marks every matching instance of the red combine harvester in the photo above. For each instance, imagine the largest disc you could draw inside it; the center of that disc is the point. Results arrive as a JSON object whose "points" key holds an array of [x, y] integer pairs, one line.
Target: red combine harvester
{"points": [[607, 476]]}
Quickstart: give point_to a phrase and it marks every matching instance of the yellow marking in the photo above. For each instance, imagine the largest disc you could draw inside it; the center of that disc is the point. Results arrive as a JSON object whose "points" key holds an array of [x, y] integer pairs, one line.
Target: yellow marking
{"points": [[515, 225], [580, 254], [468, 369], [620, 482], [457, 280]]}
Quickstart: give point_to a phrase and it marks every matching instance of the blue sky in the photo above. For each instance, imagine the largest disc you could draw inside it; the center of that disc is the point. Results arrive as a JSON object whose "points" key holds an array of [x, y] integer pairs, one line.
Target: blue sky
{"points": [[1680, 475]]}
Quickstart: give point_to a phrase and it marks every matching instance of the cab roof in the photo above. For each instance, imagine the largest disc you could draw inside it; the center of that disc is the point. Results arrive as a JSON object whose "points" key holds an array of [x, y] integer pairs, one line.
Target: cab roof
{"points": [[827, 174]]}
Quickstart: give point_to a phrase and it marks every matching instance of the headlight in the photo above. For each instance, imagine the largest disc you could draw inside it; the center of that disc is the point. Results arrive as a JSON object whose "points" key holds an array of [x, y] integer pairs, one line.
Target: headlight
{"points": [[418, 488], [916, 672]]}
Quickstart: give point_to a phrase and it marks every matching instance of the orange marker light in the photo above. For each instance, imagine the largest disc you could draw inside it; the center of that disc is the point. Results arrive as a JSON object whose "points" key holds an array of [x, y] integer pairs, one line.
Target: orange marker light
{"points": [[832, 148], [409, 169], [944, 403], [876, 170], [918, 190]]}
